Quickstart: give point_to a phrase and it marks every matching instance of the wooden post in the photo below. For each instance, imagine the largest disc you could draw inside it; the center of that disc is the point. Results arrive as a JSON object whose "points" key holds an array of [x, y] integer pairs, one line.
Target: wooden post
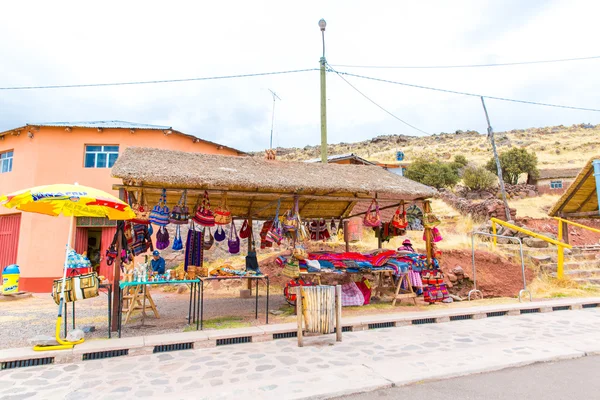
{"points": [[116, 306], [427, 209], [378, 233], [299, 314], [346, 235], [565, 231], [338, 313], [250, 248]]}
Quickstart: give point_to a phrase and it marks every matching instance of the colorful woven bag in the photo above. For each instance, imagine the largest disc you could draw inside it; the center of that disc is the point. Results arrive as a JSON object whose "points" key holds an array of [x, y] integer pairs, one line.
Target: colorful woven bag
{"points": [[160, 213], [222, 213], [180, 213], [399, 219], [204, 216], [373, 217], [275, 234], [245, 232], [140, 208], [233, 243]]}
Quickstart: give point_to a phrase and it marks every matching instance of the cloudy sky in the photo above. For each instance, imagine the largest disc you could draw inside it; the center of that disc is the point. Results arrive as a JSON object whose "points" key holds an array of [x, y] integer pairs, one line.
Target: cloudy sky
{"points": [[75, 42]]}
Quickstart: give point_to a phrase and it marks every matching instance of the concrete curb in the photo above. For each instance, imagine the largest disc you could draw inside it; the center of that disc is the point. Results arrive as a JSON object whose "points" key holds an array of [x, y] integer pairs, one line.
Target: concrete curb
{"points": [[133, 346]]}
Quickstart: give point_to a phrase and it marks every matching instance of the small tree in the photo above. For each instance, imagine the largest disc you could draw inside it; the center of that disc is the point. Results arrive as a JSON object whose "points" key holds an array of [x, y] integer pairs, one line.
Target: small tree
{"points": [[458, 164], [515, 162], [432, 173], [478, 178]]}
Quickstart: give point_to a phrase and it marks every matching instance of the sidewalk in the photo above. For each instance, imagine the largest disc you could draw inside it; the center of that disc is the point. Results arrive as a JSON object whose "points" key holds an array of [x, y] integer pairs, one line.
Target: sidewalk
{"points": [[278, 369]]}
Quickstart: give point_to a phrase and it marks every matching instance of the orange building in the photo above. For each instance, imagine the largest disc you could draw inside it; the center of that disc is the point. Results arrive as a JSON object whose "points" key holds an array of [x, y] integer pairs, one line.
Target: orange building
{"points": [[68, 152]]}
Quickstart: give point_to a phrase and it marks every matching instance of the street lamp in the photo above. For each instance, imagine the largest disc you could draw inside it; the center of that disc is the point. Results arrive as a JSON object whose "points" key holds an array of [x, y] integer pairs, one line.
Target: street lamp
{"points": [[322, 25]]}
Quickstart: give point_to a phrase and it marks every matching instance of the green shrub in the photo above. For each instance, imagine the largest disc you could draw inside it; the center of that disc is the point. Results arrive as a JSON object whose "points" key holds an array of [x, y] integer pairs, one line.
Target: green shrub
{"points": [[515, 162], [432, 173], [478, 178]]}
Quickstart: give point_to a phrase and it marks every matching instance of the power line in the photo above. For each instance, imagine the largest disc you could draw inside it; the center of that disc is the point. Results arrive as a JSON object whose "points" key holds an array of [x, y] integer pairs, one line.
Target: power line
{"points": [[468, 94], [372, 101], [467, 66], [157, 81]]}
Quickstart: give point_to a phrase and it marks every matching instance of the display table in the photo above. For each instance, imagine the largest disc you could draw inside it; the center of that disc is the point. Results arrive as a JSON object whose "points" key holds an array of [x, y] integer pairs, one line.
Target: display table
{"points": [[141, 289], [251, 278]]}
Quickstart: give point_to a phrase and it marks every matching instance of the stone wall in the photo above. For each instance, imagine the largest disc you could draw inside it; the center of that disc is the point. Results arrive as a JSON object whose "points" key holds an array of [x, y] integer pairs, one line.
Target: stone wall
{"points": [[520, 191], [483, 210]]}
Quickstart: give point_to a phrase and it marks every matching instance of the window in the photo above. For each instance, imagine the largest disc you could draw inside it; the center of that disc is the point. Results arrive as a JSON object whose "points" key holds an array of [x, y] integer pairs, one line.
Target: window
{"points": [[100, 156], [6, 160], [555, 184]]}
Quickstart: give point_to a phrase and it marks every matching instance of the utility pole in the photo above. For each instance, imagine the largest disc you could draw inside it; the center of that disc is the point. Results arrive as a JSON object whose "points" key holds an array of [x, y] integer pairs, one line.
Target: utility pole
{"points": [[323, 62], [275, 97], [498, 166]]}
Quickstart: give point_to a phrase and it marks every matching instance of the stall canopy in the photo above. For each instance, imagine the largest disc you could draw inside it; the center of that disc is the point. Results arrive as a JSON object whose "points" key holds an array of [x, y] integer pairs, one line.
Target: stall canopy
{"points": [[254, 185], [581, 199]]}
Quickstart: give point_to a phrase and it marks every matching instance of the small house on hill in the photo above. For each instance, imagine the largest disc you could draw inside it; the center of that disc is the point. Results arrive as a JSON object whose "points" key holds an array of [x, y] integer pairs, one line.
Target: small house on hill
{"points": [[554, 181], [351, 158]]}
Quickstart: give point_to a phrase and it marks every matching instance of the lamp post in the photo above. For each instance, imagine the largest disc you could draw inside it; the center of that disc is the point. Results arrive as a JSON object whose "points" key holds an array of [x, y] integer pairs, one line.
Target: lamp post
{"points": [[322, 25]]}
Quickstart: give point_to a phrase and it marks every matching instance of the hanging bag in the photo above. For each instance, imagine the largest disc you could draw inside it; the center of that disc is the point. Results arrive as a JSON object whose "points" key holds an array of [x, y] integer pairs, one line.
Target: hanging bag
{"points": [[222, 213], [234, 241], [177, 242], [142, 240], [180, 213], [204, 216], [303, 232], [245, 231], [373, 217], [160, 213], [211, 240], [430, 220], [141, 209], [290, 219], [399, 219], [220, 234], [275, 234], [162, 238]]}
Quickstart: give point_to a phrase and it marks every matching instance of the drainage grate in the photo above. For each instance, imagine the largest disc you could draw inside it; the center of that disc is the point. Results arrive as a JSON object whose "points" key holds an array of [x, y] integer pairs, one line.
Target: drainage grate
{"points": [[461, 317], [172, 347], [497, 314], [285, 335], [105, 354], [380, 325], [530, 311], [593, 305], [32, 362], [561, 308], [423, 321], [235, 340], [344, 329]]}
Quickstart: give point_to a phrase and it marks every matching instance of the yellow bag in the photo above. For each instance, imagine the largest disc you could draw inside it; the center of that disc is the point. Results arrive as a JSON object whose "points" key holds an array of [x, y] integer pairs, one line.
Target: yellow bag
{"points": [[86, 286], [69, 292], [291, 269]]}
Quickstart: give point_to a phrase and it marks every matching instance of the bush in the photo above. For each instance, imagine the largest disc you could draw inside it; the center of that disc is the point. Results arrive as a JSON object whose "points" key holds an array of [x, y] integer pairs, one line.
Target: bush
{"points": [[459, 163], [515, 162], [479, 178], [432, 173]]}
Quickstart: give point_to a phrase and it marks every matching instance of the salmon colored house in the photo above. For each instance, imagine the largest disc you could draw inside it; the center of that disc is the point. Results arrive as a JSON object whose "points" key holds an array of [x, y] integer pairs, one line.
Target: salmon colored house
{"points": [[68, 152]]}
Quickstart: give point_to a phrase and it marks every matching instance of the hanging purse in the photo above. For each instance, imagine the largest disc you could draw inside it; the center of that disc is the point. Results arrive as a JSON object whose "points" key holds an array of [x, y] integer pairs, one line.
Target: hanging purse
{"points": [[177, 242], [399, 219], [222, 213], [372, 217], [275, 234], [333, 228], [233, 243], [160, 213], [220, 234], [141, 209], [430, 220], [245, 231], [162, 238], [290, 221], [211, 240], [204, 216], [180, 213]]}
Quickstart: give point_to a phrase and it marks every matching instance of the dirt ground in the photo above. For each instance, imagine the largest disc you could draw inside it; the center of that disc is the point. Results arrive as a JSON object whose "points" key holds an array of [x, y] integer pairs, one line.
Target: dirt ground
{"points": [[577, 236], [496, 275]]}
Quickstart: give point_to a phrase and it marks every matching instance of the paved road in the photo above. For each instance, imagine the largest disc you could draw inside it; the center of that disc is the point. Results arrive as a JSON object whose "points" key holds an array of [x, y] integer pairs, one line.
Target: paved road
{"points": [[573, 379], [368, 360]]}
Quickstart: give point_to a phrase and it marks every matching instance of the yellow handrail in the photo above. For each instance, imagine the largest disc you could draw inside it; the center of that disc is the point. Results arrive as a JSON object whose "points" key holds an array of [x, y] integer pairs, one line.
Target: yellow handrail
{"points": [[560, 259], [560, 228]]}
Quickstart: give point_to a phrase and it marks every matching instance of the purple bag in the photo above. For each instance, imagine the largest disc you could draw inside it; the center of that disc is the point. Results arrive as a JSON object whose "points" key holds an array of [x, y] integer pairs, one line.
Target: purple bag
{"points": [[162, 238], [234, 241]]}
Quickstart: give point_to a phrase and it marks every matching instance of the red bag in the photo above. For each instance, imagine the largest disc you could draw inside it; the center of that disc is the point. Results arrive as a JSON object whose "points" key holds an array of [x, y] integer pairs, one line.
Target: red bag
{"points": [[372, 217], [365, 287], [245, 231], [204, 216], [399, 219]]}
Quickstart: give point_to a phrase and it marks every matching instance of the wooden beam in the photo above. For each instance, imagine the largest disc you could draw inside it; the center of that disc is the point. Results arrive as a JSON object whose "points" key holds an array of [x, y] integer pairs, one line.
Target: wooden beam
{"points": [[380, 209], [582, 214], [575, 189]]}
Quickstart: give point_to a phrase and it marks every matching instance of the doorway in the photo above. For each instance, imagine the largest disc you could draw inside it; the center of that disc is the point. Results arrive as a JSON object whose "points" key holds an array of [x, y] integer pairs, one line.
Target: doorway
{"points": [[94, 245]]}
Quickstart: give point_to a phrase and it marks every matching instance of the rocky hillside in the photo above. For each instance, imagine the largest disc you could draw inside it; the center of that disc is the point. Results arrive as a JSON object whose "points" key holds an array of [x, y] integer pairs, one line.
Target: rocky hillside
{"points": [[556, 147]]}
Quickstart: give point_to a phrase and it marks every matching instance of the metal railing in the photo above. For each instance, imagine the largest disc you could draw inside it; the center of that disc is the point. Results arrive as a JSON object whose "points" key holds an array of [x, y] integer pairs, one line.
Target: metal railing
{"points": [[560, 260], [495, 236]]}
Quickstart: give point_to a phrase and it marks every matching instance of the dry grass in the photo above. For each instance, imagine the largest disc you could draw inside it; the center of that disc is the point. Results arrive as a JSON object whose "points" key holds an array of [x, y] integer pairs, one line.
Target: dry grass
{"points": [[534, 207], [545, 286]]}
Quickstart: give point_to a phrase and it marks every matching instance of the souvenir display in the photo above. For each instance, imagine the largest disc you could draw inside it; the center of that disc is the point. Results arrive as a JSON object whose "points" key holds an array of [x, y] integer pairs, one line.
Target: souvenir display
{"points": [[222, 213], [162, 238], [204, 215], [318, 230], [142, 240], [177, 242], [160, 213], [372, 217], [399, 219], [180, 213], [275, 233], [220, 234], [233, 243], [207, 245], [194, 248], [246, 231], [140, 208]]}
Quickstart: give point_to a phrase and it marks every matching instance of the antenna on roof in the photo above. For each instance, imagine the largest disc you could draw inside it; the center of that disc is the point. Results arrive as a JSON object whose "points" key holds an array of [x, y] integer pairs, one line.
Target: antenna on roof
{"points": [[275, 97]]}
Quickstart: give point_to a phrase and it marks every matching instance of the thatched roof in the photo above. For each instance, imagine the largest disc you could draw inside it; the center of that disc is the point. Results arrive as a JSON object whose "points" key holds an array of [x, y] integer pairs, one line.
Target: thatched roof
{"points": [[557, 173], [580, 197], [325, 190]]}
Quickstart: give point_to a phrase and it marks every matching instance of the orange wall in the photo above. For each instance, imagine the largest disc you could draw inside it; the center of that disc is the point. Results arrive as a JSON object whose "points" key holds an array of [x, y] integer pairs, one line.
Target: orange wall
{"points": [[56, 156]]}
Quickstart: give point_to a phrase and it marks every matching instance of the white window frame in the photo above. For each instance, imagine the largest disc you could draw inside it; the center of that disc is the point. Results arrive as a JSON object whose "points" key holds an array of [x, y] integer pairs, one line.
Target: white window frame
{"points": [[107, 153], [6, 161]]}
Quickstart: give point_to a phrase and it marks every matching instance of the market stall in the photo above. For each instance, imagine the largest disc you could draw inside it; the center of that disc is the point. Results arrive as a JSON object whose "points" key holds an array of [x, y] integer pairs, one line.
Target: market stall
{"points": [[292, 200]]}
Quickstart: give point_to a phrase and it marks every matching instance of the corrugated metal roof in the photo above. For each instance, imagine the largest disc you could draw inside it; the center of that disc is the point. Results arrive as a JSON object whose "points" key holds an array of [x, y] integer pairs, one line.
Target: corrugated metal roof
{"points": [[102, 124], [340, 157]]}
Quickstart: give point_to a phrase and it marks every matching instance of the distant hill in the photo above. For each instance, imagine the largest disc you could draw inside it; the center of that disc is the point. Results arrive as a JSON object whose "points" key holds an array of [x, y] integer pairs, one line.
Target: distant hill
{"points": [[556, 147]]}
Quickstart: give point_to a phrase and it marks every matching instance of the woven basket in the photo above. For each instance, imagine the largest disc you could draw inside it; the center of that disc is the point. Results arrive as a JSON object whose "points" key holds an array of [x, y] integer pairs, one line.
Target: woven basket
{"points": [[202, 272]]}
